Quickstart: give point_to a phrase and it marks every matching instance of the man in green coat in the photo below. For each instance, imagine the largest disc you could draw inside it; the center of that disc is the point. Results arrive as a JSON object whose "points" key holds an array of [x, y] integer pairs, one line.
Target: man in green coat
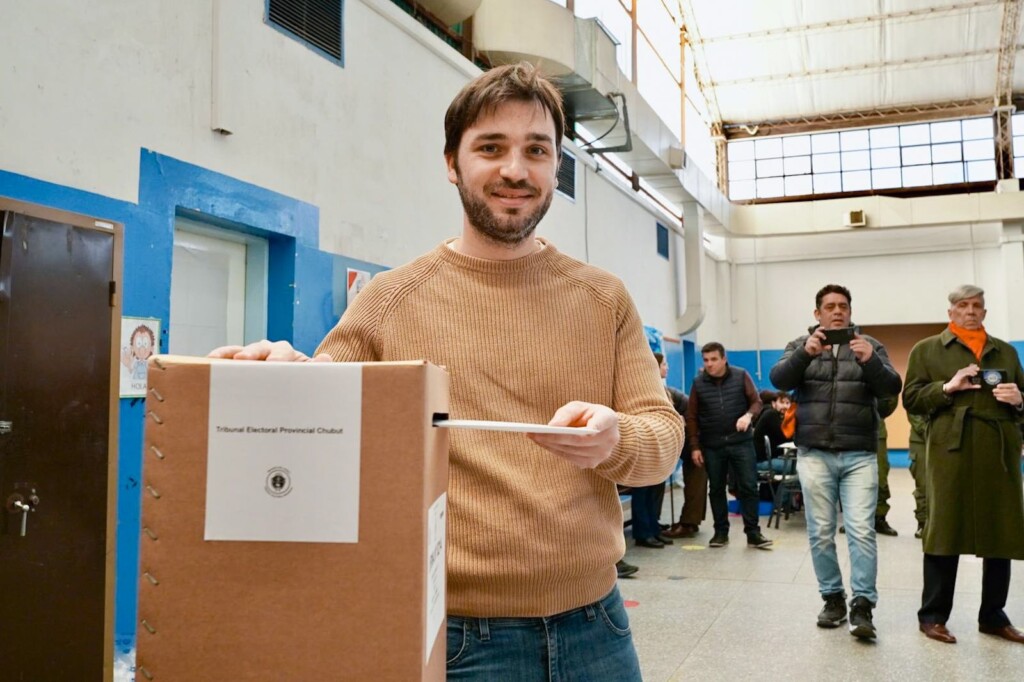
{"points": [[886, 406], [918, 426], [968, 384]]}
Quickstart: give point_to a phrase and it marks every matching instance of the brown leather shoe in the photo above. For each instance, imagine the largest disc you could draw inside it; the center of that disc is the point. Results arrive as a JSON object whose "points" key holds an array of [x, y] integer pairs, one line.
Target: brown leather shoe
{"points": [[680, 530], [1007, 632], [938, 632]]}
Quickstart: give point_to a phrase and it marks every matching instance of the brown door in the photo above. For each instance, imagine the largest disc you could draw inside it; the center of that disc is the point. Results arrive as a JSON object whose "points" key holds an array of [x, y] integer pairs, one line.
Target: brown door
{"points": [[899, 340], [56, 318]]}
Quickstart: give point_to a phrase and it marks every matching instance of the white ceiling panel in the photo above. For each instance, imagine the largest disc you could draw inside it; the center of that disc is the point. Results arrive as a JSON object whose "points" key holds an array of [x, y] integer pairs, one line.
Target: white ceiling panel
{"points": [[765, 60], [1018, 73], [767, 101]]}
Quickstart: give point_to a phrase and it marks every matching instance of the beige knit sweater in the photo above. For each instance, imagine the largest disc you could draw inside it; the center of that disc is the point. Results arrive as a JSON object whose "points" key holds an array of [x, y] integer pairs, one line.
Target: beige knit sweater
{"points": [[529, 534]]}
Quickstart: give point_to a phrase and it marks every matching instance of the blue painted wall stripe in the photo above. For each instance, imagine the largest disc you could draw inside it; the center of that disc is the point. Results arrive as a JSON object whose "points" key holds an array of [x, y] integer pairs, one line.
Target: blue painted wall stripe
{"points": [[303, 292]]}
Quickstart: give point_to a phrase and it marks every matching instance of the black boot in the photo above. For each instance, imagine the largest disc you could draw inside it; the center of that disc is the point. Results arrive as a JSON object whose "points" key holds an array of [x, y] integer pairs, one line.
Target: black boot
{"points": [[861, 626], [834, 612], [882, 526], [625, 570]]}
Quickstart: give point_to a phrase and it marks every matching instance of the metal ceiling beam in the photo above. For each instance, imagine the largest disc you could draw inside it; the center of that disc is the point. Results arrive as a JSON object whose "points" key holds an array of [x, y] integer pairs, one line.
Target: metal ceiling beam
{"points": [[910, 113], [860, 68], [922, 13], [691, 36], [1004, 107]]}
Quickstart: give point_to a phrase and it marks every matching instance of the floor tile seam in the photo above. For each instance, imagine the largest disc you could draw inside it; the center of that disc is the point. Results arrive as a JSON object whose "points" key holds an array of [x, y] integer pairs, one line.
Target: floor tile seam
{"points": [[697, 641], [677, 672]]}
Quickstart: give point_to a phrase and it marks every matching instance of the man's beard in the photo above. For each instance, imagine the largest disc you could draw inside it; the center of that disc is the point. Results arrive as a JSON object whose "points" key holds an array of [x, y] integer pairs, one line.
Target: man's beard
{"points": [[510, 229]]}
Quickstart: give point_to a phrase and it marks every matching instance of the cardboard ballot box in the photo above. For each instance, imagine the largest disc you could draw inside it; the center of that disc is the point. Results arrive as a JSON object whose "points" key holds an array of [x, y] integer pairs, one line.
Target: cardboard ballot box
{"points": [[293, 521]]}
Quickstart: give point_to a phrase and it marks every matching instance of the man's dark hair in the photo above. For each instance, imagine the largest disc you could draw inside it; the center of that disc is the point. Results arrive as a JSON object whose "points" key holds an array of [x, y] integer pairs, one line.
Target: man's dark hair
{"points": [[659, 357], [832, 289], [520, 82], [712, 347], [767, 396]]}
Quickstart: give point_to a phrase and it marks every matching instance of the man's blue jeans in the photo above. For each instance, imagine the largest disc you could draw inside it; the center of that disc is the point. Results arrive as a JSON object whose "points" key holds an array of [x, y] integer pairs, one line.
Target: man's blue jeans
{"points": [[741, 458], [779, 466], [851, 477], [589, 643], [645, 516]]}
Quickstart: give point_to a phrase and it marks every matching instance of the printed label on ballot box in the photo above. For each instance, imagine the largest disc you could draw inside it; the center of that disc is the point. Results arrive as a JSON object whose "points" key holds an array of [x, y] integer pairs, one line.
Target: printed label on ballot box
{"points": [[283, 452]]}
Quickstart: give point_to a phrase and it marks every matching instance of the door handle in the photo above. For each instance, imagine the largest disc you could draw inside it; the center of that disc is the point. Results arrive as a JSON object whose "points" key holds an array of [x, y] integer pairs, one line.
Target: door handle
{"points": [[25, 509], [17, 504]]}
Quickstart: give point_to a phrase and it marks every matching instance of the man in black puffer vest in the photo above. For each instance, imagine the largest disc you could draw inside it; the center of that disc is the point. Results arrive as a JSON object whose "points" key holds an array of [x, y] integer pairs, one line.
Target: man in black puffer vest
{"points": [[837, 389], [722, 407]]}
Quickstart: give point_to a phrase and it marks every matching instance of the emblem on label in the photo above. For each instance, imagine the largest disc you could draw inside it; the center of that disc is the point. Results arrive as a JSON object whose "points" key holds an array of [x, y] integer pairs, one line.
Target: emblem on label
{"points": [[992, 377], [279, 482]]}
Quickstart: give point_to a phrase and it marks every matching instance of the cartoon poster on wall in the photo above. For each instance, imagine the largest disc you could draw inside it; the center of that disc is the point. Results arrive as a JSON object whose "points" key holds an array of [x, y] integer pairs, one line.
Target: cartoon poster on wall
{"points": [[140, 338], [357, 279]]}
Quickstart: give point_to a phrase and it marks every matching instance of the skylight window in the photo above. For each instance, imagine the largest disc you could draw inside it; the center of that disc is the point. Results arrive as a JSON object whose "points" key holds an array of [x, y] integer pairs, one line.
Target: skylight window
{"points": [[912, 155]]}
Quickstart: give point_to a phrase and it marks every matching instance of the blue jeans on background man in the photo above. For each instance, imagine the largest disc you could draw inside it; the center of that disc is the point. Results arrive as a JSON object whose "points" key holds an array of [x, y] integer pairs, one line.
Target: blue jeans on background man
{"points": [[644, 515], [589, 643], [850, 477], [741, 458], [779, 466]]}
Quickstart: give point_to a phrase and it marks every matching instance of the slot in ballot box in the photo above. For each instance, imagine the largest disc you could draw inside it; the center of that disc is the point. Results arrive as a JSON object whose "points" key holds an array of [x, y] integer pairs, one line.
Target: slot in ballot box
{"points": [[293, 521]]}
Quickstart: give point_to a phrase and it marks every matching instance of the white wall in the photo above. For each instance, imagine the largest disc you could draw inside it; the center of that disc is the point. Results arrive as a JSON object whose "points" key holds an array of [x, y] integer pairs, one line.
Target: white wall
{"points": [[895, 277], [87, 88], [84, 91], [717, 324], [622, 238]]}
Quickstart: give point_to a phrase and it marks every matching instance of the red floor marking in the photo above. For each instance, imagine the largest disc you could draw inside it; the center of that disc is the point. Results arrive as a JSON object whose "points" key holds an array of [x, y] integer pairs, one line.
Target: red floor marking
{"points": [[629, 603]]}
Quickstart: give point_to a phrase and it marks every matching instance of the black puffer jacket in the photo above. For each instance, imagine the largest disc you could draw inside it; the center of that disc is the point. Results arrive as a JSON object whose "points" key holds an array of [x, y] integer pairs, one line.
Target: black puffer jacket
{"points": [[836, 396]]}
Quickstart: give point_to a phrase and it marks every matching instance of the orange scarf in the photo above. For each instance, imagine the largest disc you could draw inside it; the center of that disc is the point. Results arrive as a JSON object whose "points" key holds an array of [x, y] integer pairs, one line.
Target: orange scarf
{"points": [[973, 338], [789, 421]]}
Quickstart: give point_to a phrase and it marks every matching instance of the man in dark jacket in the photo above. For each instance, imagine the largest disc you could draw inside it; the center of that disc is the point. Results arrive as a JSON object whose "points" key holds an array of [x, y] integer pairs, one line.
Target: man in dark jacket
{"points": [[837, 392], [968, 385], [722, 407], [695, 481]]}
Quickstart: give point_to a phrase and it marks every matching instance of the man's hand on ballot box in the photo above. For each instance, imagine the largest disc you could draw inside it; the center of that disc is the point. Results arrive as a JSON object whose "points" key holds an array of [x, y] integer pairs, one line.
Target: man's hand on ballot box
{"points": [[271, 351], [585, 450]]}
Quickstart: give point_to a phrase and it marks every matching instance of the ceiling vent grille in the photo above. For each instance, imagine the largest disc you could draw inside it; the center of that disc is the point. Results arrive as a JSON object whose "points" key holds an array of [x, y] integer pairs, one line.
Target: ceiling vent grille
{"points": [[855, 219], [316, 22], [567, 176]]}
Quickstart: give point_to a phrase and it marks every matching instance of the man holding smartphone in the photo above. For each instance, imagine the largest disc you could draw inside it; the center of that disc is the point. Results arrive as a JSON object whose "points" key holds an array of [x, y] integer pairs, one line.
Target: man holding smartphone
{"points": [[839, 375], [967, 384]]}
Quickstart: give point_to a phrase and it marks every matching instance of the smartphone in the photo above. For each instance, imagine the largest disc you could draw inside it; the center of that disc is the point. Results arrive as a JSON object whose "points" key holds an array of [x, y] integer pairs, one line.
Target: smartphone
{"points": [[990, 377], [837, 337]]}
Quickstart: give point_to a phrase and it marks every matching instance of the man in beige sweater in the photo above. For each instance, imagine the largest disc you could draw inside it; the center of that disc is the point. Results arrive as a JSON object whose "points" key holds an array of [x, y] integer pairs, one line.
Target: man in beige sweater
{"points": [[527, 334]]}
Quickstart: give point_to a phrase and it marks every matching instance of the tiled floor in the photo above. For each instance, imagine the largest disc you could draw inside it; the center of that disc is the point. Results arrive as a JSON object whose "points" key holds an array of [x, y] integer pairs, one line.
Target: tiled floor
{"points": [[737, 613]]}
